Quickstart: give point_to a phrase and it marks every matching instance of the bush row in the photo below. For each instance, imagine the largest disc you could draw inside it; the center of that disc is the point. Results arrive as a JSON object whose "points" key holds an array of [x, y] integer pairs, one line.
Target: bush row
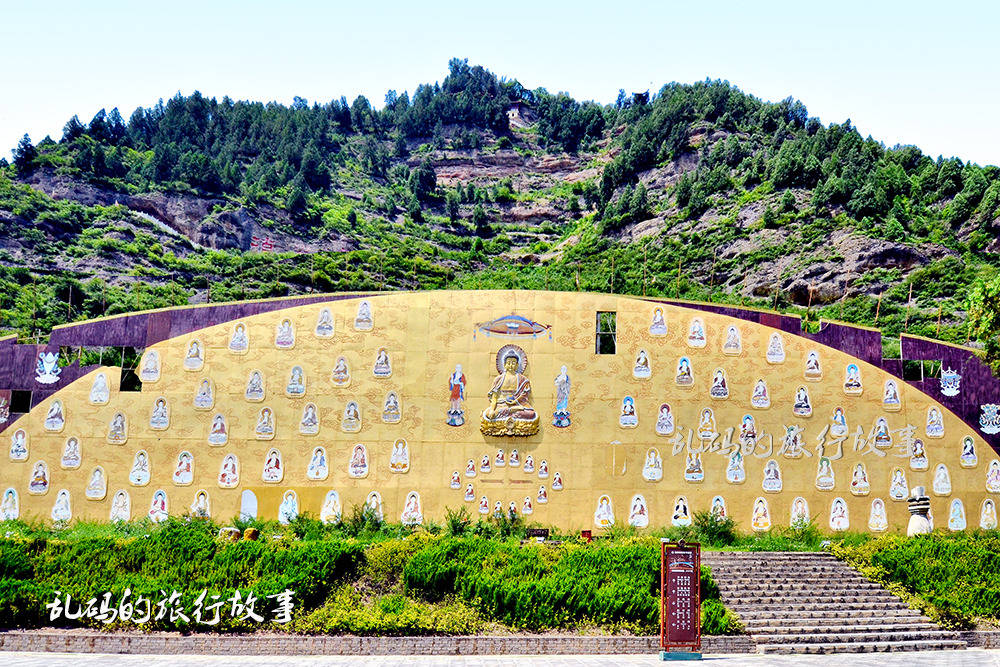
{"points": [[954, 577], [380, 583]]}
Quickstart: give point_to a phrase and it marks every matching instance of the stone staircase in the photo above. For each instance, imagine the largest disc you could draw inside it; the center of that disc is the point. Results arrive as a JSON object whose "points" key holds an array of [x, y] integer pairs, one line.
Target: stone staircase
{"points": [[812, 603]]}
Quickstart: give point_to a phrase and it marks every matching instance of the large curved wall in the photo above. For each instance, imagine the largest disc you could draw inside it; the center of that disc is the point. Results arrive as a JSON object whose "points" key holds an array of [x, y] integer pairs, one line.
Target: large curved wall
{"points": [[426, 335]]}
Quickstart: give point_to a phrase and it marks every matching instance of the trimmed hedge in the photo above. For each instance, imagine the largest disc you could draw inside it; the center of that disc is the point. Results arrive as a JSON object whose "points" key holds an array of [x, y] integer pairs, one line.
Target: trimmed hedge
{"points": [[179, 556], [538, 587], [381, 584], [954, 576]]}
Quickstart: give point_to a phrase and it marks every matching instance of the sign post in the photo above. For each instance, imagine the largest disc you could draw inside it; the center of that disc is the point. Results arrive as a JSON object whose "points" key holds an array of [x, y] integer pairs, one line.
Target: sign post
{"points": [[680, 600]]}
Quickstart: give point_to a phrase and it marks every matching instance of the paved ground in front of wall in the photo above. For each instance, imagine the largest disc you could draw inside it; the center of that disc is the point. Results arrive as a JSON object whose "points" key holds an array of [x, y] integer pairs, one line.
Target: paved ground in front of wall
{"points": [[970, 658]]}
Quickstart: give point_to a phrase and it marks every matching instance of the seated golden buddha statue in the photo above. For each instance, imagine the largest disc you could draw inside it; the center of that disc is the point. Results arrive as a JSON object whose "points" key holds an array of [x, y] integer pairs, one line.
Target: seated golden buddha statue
{"points": [[510, 411]]}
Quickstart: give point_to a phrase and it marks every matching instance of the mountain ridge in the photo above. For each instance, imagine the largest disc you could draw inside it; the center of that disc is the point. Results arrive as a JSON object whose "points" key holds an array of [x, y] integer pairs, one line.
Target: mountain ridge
{"points": [[699, 191]]}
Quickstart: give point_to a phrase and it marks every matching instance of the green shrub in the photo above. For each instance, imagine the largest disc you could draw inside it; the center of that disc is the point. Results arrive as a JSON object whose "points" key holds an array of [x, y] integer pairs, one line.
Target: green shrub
{"points": [[955, 577], [391, 581], [715, 530], [347, 612], [717, 620], [539, 587]]}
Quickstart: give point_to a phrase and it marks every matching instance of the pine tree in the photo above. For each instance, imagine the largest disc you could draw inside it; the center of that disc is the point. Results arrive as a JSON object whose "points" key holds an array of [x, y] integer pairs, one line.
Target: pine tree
{"points": [[452, 205], [25, 155], [296, 202], [481, 224], [73, 129]]}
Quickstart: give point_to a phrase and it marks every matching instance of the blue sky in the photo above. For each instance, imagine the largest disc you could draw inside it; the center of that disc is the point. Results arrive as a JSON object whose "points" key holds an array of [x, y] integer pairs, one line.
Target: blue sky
{"points": [[904, 72]]}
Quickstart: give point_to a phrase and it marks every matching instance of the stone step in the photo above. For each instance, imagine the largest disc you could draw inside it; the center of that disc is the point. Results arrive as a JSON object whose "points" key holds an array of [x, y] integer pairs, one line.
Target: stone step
{"points": [[797, 619], [707, 554], [806, 592], [765, 599], [768, 616], [860, 637], [863, 647], [806, 558], [781, 567], [815, 606], [784, 571], [813, 603], [816, 582], [785, 585], [843, 627]]}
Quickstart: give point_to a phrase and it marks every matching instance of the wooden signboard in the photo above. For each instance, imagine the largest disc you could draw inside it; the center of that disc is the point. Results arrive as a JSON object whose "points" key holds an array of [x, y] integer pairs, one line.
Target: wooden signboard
{"points": [[680, 599]]}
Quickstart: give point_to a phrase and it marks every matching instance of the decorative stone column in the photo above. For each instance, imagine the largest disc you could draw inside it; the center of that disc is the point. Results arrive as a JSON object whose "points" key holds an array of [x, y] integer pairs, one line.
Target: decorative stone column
{"points": [[919, 505]]}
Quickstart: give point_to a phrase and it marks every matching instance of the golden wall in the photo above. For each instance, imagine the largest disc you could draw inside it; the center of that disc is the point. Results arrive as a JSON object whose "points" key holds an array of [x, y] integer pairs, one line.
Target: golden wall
{"points": [[426, 335]]}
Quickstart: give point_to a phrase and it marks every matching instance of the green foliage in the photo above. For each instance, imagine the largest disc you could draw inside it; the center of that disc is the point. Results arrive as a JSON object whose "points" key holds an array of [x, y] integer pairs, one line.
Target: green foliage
{"points": [[391, 581], [537, 587], [955, 577], [457, 522], [423, 181], [25, 155], [717, 620], [712, 529], [181, 555], [479, 221], [393, 614], [984, 317]]}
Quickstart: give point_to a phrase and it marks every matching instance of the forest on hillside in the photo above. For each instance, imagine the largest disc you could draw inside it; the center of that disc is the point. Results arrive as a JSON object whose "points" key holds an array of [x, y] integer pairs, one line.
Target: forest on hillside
{"points": [[682, 192]]}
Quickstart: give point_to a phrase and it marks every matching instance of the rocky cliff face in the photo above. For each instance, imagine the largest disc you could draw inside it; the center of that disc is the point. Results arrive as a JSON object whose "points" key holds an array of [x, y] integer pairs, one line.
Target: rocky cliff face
{"points": [[204, 221]]}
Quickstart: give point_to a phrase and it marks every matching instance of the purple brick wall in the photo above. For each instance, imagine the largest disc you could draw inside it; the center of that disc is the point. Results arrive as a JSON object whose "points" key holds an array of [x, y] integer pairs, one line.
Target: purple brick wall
{"points": [[139, 330], [979, 386]]}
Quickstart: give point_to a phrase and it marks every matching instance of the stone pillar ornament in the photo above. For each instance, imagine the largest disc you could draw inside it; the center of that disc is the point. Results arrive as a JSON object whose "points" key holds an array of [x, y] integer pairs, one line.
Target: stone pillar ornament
{"points": [[919, 505]]}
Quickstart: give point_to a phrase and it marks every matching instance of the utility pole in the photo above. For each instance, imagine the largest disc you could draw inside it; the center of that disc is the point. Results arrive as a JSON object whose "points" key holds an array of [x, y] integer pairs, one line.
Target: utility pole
{"points": [[909, 299], [645, 255], [715, 256]]}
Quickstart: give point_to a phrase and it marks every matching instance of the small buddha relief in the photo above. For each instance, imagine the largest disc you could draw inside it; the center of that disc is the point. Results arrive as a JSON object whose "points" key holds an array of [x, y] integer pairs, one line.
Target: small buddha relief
{"points": [[121, 507], [194, 360], [331, 512], [204, 398], [150, 372], [839, 520], [284, 335], [391, 411], [39, 482], [734, 342], [968, 458], [218, 434], [288, 510], [100, 392], [239, 341], [775, 349], [852, 380], [638, 515], [890, 397], [859, 480], [324, 324], [956, 517], [760, 519], [878, 521]]}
